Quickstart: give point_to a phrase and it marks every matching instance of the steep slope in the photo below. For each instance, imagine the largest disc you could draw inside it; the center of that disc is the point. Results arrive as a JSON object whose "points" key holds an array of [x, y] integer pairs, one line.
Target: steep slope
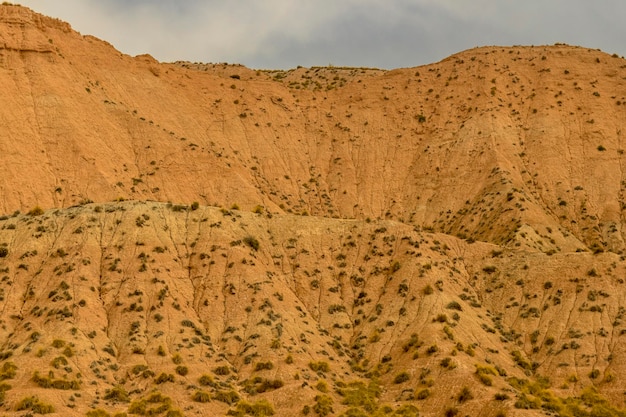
{"points": [[543, 124], [137, 298], [218, 240]]}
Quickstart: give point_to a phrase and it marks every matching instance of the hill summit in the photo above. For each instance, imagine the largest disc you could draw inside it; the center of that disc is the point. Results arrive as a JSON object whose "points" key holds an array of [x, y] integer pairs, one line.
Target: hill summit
{"points": [[184, 239]]}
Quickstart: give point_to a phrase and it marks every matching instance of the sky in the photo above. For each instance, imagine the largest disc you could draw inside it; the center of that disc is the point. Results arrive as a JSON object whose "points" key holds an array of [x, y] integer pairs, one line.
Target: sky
{"points": [[282, 34]]}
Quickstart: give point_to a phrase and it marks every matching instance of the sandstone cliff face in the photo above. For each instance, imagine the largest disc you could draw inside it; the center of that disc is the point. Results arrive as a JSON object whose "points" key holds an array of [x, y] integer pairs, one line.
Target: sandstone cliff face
{"points": [[216, 239]]}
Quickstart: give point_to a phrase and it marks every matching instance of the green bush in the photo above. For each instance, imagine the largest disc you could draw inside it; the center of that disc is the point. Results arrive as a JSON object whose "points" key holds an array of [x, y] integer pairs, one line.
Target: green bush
{"points": [[453, 305], [163, 377], [401, 377], [464, 395], [35, 211], [319, 366], [3, 389], [484, 372], [35, 405], [228, 397], [451, 412], [98, 412], [261, 408], [137, 407], [260, 366], [252, 242], [206, 380], [8, 371], [358, 394], [406, 410], [222, 370], [422, 394], [50, 382], [323, 405], [201, 397], [117, 394], [258, 385]]}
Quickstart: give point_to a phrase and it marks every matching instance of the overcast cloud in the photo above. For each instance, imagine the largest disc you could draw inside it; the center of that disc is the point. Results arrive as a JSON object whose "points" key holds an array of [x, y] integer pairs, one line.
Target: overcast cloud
{"points": [[283, 34]]}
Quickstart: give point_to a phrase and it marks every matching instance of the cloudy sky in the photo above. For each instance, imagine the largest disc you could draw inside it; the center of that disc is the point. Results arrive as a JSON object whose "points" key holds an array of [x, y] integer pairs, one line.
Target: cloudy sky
{"points": [[282, 34]]}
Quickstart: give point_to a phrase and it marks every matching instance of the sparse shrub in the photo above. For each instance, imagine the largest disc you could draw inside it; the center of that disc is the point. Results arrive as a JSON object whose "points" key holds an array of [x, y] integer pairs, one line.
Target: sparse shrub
{"points": [[201, 397], [182, 370], [413, 342], [406, 410], [58, 343], [3, 389], [137, 369], [68, 352], [3, 252], [401, 377], [447, 363], [206, 380], [263, 385], [222, 370], [527, 403], [161, 351], [484, 372], [260, 366], [336, 308], [464, 395], [98, 412], [323, 405], [451, 412], [358, 394], [500, 396], [8, 371], [261, 408], [117, 393], [228, 397], [422, 394], [137, 407], [485, 379], [163, 377], [35, 405], [319, 366], [453, 305], [35, 211], [441, 318], [50, 382], [252, 242]]}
